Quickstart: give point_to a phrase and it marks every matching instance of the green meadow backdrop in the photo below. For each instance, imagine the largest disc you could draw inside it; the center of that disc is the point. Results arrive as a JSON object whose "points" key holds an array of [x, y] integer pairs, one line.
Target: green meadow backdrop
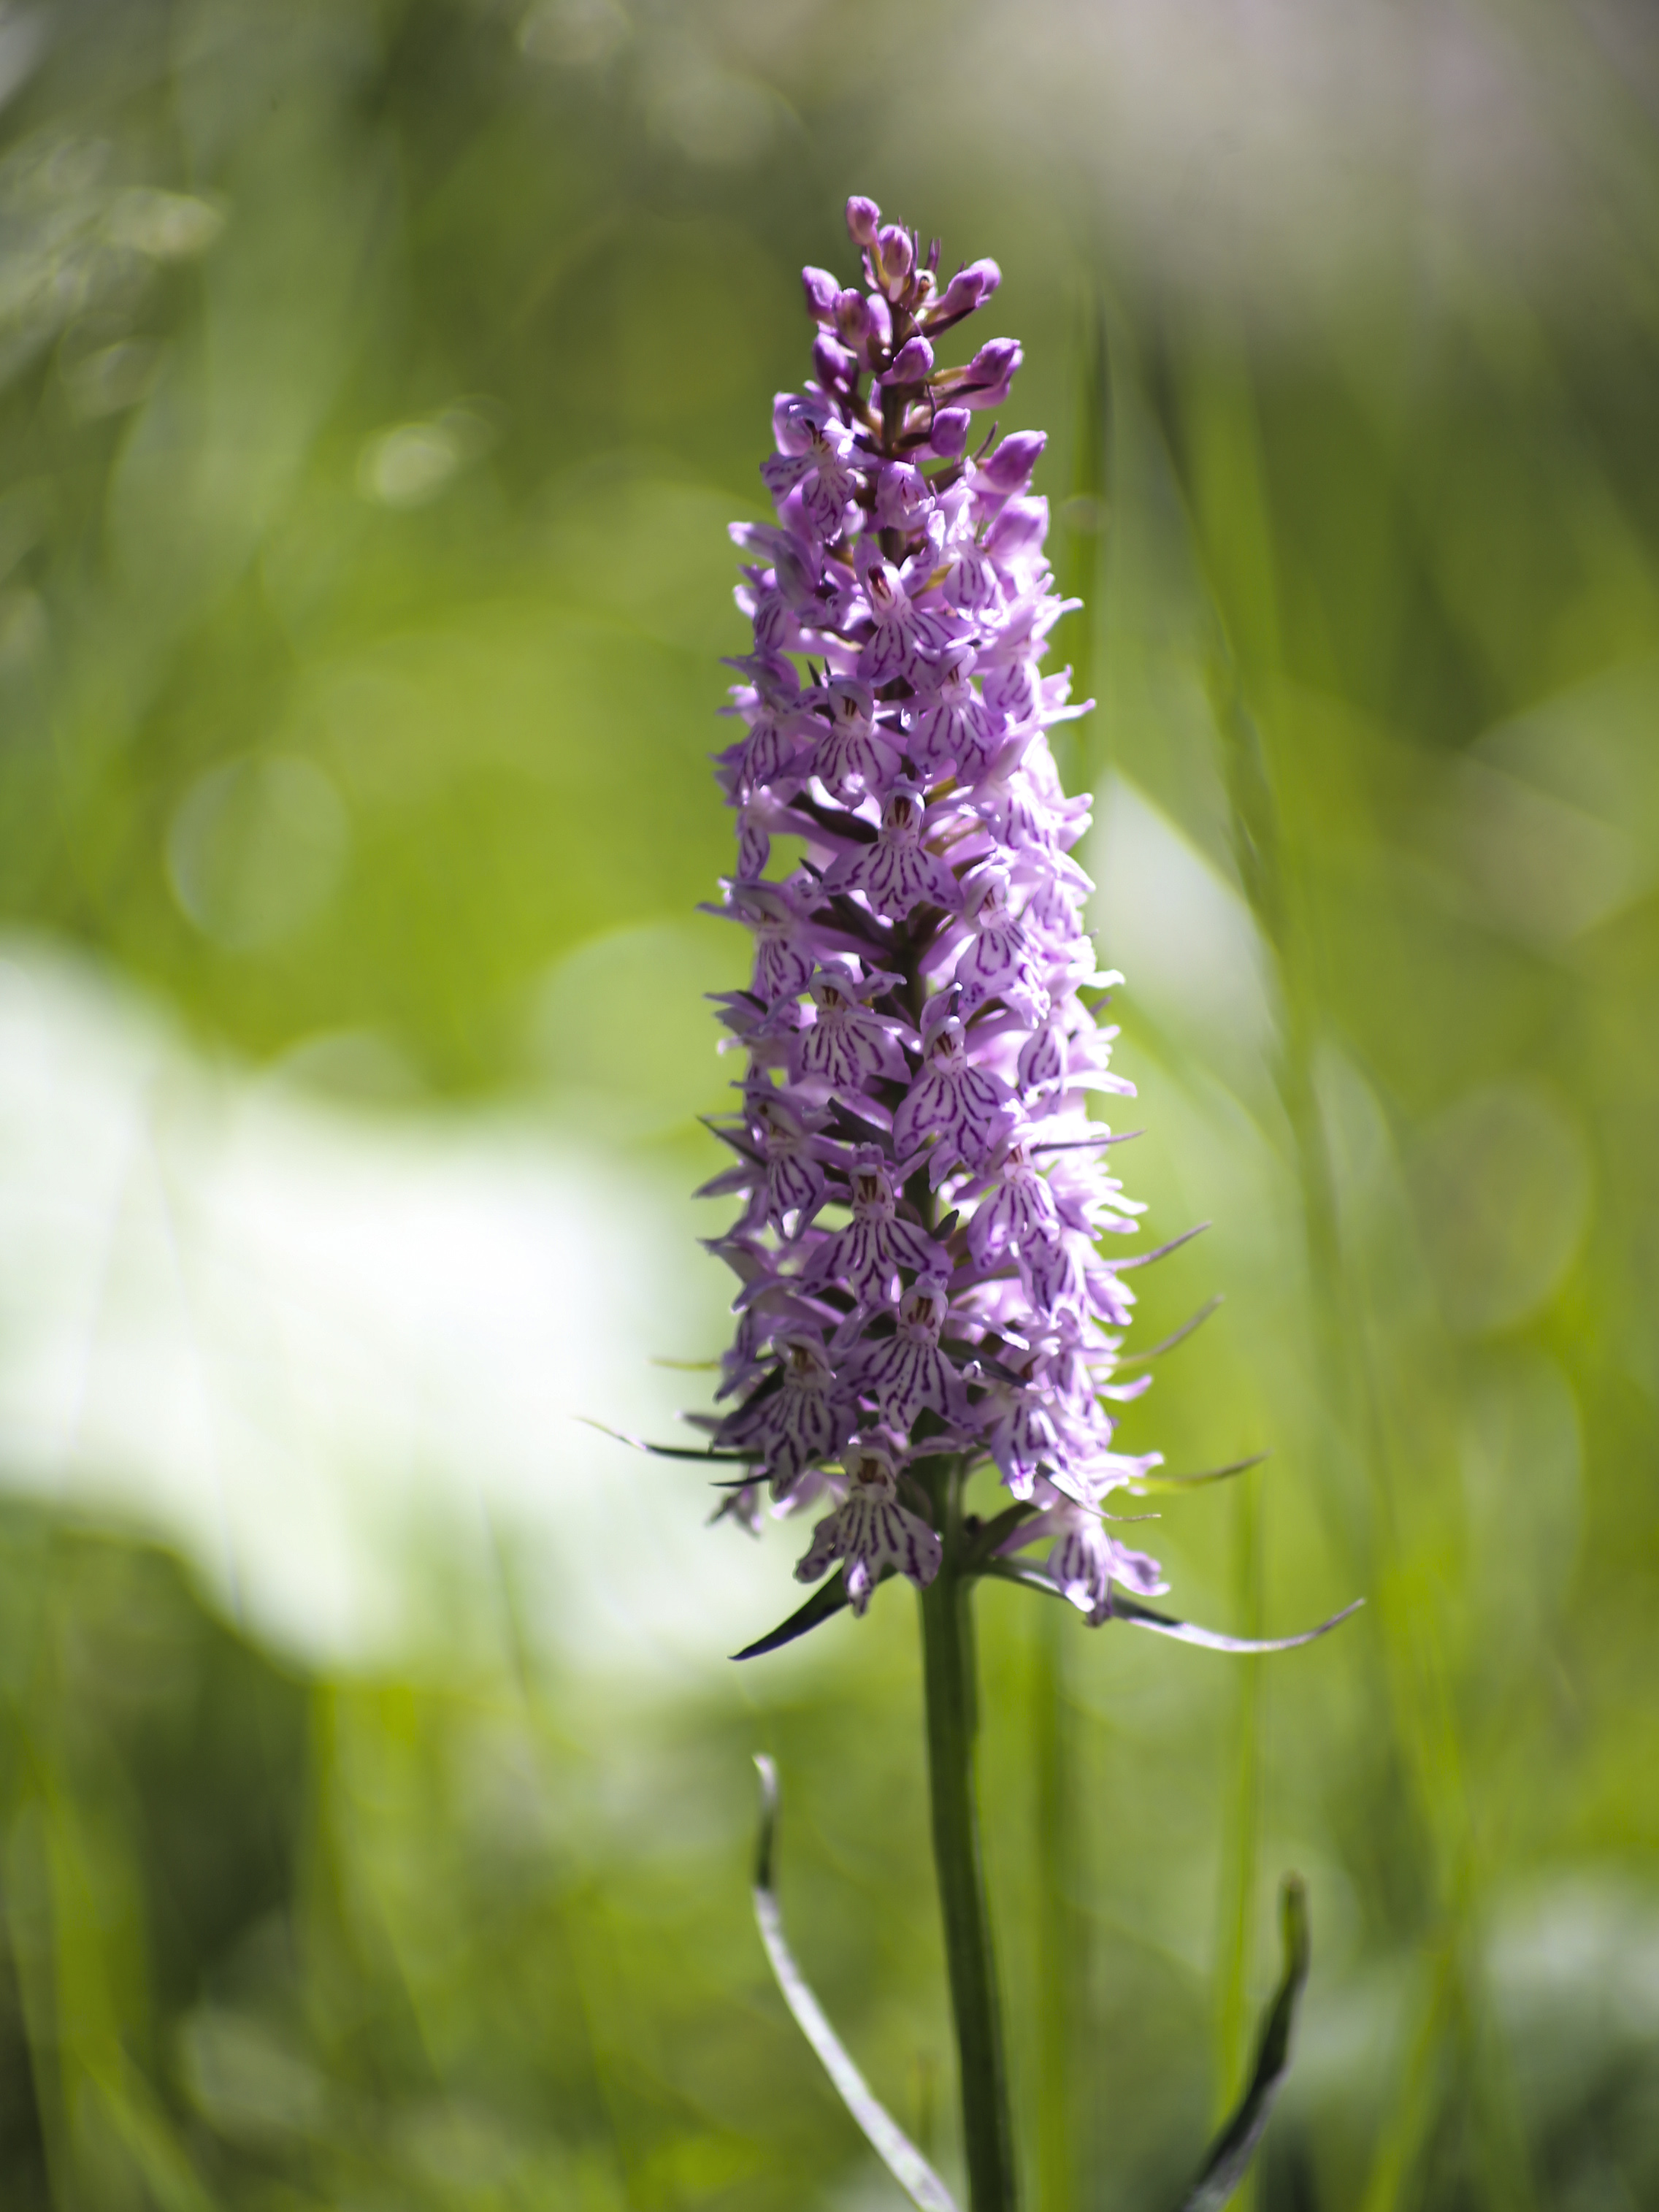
{"points": [[377, 379]]}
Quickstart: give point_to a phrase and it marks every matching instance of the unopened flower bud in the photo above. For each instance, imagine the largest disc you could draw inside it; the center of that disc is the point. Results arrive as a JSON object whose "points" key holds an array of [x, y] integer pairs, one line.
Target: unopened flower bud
{"points": [[862, 217], [912, 364], [835, 365], [852, 317], [990, 373], [968, 290], [893, 258], [821, 293], [1008, 470], [949, 436]]}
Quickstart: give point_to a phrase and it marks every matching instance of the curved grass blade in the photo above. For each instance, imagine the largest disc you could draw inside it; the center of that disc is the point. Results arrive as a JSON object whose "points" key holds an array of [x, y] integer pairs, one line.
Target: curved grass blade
{"points": [[1231, 2151], [1144, 1483], [889, 2141], [1142, 1616]]}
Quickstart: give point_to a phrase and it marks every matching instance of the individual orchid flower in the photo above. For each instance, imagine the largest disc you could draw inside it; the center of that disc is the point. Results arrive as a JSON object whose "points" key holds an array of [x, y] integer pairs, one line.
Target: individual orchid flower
{"points": [[814, 458], [999, 956], [802, 1415], [900, 633], [951, 726], [869, 1254], [871, 1531], [896, 873], [854, 756], [845, 1048], [1085, 1561], [957, 1104], [906, 1371]]}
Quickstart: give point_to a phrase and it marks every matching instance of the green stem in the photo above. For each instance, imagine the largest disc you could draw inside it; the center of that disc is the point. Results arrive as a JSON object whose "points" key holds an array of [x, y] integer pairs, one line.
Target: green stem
{"points": [[1061, 1957], [947, 1637]]}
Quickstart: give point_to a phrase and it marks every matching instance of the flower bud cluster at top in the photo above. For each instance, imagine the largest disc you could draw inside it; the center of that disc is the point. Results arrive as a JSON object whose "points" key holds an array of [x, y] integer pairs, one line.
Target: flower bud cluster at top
{"points": [[923, 1188]]}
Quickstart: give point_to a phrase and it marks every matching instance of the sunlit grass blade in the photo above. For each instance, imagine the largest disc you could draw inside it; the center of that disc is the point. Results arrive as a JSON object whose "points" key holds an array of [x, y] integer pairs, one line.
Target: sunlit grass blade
{"points": [[889, 2141], [1231, 2151]]}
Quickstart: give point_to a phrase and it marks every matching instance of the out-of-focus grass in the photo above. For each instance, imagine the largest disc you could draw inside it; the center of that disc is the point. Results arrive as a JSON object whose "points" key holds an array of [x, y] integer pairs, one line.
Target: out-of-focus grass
{"points": [[377, 384]]}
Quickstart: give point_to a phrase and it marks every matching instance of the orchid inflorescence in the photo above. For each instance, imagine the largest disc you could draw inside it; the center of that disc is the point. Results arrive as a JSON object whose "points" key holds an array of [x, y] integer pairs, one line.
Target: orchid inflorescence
{"points": [[923, 1186], [924, 1189]]}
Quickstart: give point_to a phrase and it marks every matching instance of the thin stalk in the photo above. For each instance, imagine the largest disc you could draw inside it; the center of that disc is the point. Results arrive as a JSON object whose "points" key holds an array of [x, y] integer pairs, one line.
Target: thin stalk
{"points": [[949, 1677], [1061, 1948]]}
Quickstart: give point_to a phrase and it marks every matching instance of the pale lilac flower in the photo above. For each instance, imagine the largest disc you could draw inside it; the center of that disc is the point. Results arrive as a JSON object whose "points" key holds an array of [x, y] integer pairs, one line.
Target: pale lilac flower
{"points": [[846, 1047], [896, 871], [1085, 1561], [800, 1415], [871, 1530], [902, 1373], [960, 1106], [951, 728], [868, 1255], [852, 757]]}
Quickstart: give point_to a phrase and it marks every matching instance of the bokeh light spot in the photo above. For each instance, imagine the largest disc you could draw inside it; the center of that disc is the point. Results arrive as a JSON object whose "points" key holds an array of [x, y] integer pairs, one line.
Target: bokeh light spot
{"points": [[257, 848], [1502, 1188]]}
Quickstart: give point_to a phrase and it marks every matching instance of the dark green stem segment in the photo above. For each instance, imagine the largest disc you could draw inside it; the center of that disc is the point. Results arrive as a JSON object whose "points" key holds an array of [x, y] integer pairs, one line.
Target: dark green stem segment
{"points": [[949, 1675]]}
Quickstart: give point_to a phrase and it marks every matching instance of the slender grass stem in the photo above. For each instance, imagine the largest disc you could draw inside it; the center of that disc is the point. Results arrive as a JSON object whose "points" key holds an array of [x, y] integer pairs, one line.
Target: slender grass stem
{"points": [[949, 1675], [1241, 1839]]}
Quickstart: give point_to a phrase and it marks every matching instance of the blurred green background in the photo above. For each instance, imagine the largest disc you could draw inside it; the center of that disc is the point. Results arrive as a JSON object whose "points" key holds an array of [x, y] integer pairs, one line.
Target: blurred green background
{"points": [[374, 1793]]}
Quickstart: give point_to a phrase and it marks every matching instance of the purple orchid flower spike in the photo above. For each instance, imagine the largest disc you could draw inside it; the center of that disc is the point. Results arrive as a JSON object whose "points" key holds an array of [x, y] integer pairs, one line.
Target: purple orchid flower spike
{"points": [[914, 1146]]}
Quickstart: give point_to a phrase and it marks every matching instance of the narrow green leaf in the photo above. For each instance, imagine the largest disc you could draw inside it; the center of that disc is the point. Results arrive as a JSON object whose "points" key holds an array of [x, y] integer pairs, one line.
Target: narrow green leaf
{"points": [[1144, 1483], [665, 1451], [1145, 1259], [1230, 2153], [889, 2141], [1125, 1607], [1184, 1631], [827, 1599], [989, 1539], [1140, 1358]]}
